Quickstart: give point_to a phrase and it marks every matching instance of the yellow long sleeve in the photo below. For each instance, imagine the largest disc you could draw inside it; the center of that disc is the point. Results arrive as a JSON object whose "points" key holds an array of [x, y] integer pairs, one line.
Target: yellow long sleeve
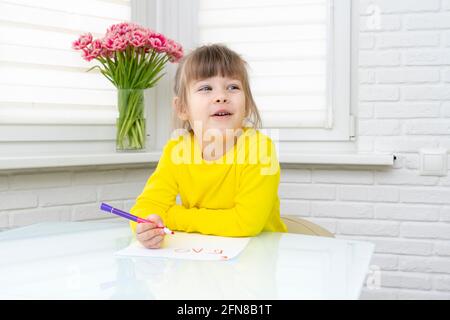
{"points": [[254, 202], [238, 198]]}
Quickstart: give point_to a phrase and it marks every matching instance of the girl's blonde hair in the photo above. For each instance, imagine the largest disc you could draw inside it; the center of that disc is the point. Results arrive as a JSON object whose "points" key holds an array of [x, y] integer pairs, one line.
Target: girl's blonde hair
{"points": [[210, 61]]}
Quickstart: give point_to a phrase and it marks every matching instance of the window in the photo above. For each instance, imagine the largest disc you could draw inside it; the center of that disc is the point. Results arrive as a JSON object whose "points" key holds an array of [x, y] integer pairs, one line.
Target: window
{"points": [[49, 105], [299, 57]]}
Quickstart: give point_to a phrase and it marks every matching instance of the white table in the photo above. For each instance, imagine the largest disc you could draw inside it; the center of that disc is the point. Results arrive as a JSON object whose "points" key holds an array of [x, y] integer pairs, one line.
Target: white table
{"points": [[74, 260]]}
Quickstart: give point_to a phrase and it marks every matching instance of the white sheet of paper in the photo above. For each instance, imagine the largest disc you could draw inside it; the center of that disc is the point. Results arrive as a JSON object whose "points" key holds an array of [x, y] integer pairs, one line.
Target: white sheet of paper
{"points": [[192, 246]]}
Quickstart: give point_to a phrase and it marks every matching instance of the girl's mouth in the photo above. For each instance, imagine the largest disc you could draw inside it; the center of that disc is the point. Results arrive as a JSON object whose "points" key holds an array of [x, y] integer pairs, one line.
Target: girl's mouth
{"points": [[224, 114]]}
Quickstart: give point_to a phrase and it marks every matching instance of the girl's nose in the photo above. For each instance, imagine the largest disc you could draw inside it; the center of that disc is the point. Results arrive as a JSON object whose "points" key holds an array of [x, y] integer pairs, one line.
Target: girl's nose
{"points": [[222, 100]]}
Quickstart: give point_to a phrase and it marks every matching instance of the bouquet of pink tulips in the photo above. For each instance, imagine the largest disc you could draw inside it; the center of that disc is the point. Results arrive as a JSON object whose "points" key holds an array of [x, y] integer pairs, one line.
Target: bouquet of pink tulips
{"points": [[132, 59]]}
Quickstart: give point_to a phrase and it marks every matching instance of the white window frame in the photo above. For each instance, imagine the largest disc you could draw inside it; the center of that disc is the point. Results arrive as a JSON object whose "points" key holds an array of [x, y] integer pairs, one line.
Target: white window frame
{"points": [[182, 13], [178, 19]]}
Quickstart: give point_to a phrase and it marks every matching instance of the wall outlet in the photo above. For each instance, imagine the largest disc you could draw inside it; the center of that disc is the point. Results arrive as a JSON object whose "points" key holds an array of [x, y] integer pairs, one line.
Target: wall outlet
{"points": [[433, 162]]}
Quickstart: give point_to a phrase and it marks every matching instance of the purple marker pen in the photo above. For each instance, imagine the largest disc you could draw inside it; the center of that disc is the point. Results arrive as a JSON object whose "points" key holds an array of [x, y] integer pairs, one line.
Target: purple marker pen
{"points": [[129, 216]]}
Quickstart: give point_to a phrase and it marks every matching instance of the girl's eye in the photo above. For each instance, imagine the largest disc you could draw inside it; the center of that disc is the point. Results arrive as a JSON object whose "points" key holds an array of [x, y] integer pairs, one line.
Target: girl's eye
{"points": [[234, 86], [205, 88]]}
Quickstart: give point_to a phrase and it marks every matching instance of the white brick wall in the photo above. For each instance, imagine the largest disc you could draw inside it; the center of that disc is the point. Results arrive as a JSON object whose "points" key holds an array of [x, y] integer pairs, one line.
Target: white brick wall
{"points": [[404, 71], [74, 194], [404, 75]]}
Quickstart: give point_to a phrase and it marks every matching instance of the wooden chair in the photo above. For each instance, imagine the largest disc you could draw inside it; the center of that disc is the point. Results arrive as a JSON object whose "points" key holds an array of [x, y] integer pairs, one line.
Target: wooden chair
{"points": [[295, 224]]}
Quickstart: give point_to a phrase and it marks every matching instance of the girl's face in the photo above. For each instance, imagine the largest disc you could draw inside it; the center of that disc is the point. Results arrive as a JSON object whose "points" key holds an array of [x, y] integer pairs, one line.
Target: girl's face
{"points": [[215, 103]]}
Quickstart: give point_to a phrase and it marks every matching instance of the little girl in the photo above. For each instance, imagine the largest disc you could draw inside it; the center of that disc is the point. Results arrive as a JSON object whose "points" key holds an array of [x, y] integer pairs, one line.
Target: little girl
{"points": [[225, 171]]}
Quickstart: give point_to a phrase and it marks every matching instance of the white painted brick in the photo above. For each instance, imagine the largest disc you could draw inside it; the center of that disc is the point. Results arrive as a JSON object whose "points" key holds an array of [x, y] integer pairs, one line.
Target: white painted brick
{"points": [[432, 230], [434, 21], [4, 220], [404, 144], [92, 211], [385, 262], [445, 76], [295, 175], [442, 248], [408, 75], [447, 38], [378, 294], [446, 109], [342, 176], [366, 76], [372, 193], [379, 58], [422, 295], [328, 224], [407, 110], [353, 193], [378, 93], [426, 57], [294, 207], [408, 40], [120, 191], [444, 142], [138, 174], [381, 24], [40, 180], [429, 195], [94, 177], [401, 6], [418, 93], [379, 127], [430, 127], [399, 162], [366, 42], [128, 204], [445, 214], [341, 210], [4, 185], [426, 265], [304, 192], [412, 161], [441, 283], [32, 216], [365, 144], [17, 200], [365, 110], [403, 246], [375, 228], [445, 180], [404, 177], [61, 196], [446, 5], [405, 280], [409, 213]]}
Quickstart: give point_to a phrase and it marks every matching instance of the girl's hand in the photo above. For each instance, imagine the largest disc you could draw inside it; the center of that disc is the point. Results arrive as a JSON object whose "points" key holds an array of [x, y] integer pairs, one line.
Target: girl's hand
{"points": [[151, 235]]}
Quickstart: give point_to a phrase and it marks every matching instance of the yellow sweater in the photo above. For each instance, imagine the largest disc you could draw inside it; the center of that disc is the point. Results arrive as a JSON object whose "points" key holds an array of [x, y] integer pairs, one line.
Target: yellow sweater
{"points": [[235, 195]]}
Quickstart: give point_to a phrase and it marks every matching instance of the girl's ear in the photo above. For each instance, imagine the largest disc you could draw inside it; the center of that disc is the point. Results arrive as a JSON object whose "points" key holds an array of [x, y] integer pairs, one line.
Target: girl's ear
{"points": [[181, 112]]}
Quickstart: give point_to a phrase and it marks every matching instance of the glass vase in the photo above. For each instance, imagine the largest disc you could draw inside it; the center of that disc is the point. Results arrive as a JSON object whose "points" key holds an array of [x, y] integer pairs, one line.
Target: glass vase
{"points": [[130, 124]]}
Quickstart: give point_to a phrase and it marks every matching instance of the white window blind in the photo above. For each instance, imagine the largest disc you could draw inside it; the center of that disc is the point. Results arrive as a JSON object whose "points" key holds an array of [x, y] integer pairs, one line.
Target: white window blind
{"points": [[49, 104], [298, 67]]}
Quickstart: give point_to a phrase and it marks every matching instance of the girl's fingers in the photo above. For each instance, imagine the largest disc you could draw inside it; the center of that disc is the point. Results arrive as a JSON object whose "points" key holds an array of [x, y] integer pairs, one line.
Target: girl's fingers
{"points": [[143, 227], [155, 242], [149, 234], [155, 219]]}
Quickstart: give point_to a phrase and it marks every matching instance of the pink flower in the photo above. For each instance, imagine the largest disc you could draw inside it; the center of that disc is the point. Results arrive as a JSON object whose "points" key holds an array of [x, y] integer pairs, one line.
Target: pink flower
{"points": [[138, 38], [157, 41], [124, 36], [82, 42], [174, 50], [93, 50], [115, 43]]}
